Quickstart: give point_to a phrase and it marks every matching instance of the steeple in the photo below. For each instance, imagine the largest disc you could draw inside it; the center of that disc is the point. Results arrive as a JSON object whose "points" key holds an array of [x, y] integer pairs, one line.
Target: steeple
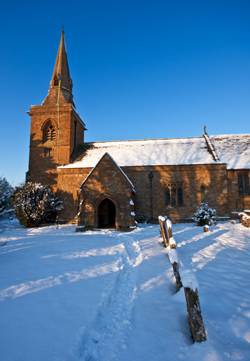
{"points": [[61, 83]]}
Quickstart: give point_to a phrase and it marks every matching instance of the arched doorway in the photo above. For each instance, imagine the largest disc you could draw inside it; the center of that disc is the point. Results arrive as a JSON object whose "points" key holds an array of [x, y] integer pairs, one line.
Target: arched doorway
{"points": [[106, 214]]}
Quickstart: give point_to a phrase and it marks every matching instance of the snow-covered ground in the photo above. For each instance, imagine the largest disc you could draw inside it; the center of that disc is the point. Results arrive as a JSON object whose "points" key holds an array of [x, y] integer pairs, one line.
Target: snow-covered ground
{"points": [[110, 296]]}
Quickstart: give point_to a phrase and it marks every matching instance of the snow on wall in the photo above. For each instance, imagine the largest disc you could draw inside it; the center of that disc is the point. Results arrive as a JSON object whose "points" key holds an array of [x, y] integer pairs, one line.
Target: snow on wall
{"points": [[148, 152]]}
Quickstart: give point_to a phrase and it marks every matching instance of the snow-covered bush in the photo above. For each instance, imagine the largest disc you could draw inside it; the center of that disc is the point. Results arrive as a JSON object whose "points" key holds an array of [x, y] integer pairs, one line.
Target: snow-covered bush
{"points": [[5, 198], [141, 218], [34, 204], [205, 215]]}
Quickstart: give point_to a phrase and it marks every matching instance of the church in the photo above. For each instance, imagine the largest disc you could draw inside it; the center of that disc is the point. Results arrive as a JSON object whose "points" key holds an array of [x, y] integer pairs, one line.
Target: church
{"points": [[114, 184]]}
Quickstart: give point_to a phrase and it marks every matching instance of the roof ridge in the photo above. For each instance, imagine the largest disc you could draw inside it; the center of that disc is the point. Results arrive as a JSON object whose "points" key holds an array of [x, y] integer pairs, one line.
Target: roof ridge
{"points": [[139, 140]]}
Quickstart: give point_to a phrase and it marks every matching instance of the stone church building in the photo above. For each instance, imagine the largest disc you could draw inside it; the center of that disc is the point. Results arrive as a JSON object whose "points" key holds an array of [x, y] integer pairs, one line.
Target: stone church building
{"points": [[112, 184]]}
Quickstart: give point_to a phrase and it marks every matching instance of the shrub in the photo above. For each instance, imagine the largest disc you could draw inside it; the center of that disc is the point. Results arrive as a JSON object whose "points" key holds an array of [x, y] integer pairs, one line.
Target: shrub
{"points": [[141, 218], [5, 198], [205, 215], [34, 204]]}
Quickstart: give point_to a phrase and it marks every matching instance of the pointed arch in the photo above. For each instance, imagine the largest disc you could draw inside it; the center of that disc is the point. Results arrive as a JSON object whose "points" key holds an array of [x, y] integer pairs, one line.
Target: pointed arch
{"points": [[106, 214], [203, 194], [55, 80], [49, 131], [114, 211]]}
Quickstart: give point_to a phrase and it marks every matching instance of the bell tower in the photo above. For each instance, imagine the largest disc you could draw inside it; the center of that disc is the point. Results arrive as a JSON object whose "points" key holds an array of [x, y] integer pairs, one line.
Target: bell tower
{"points": [[56, 128]]}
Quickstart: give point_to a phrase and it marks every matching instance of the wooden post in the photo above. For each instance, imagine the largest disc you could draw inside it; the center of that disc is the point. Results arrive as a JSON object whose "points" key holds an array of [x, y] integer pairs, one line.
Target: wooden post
{"points": [[195, 317]]}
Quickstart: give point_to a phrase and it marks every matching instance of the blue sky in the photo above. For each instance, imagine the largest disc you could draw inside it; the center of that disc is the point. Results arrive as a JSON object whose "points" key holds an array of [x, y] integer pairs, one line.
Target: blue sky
{"points": [[140, 69]]}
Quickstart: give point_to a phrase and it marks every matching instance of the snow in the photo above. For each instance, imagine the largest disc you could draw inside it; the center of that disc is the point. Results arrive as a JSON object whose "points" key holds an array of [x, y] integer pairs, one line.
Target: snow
{"points": [[131, 202], [147, 152], [233, 149], [99, 296], [189, 279], [161, 218], [172, 241], [173, 256], [169, 223]]}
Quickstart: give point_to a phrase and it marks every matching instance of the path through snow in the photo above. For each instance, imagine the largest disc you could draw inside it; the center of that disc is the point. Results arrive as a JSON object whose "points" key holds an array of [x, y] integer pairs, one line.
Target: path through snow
{"points": [[114, 311]]}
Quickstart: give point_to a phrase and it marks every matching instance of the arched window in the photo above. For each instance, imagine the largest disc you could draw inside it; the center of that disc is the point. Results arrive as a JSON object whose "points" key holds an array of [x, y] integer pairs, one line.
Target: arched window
{"points": [[174, 195], [167, 195], [49, 132], [179, 194], [203, 194], [246, 184], [243, 185], [56, 80]]}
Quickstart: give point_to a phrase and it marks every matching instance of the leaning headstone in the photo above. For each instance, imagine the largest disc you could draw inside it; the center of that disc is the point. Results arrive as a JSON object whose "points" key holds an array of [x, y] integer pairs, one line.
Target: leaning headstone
{"points": [[195, 317], [163, 231], [241, 215], [245, 220], [190, 284], [169, 227], [206, 228], [173, 258]]}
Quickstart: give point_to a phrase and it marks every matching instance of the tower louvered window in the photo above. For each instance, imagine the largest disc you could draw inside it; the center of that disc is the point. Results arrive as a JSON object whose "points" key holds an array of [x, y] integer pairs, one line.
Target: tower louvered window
{"points": [[51, 133]]}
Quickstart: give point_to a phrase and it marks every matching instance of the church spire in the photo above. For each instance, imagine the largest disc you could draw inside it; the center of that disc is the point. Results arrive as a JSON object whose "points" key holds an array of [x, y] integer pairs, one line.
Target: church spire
{"points": [[61, 80]]}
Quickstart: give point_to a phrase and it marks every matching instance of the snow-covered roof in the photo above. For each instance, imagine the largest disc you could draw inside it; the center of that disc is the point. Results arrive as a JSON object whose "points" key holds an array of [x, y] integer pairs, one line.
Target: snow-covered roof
{"points": [[233, 149], [147, 152]]}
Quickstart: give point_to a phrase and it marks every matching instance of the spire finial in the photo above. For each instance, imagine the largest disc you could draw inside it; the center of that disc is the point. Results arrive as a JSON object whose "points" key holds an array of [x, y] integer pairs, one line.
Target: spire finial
{"points": [[62, 28], [205, 131]]}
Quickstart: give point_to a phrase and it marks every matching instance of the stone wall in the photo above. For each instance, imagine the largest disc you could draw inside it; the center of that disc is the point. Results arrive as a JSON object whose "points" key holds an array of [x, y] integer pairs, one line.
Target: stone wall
{"points": [[192, 177], [42, 169], [235, 202], [69, 182], [213, 177]]}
